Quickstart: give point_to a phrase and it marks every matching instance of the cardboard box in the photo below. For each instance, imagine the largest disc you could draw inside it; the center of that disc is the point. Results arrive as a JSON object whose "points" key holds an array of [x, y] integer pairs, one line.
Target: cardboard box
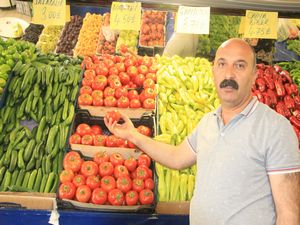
{"points": [[28, 200], [173, 208]]}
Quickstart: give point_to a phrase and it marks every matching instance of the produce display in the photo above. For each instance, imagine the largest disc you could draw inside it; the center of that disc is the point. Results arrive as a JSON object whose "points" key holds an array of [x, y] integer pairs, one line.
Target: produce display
{"points": [[33, 32], [294, 70], [153, 28], [69, 36], [275, 88], [107, 38], [112, 81], [185, 93], [128, 39], [41, 92], [89, 35], [108, 179], [13, 51], [49, 38], [294, 45]]}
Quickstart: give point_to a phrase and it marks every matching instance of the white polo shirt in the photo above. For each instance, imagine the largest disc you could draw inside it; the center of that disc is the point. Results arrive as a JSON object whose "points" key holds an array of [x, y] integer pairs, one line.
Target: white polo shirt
{"points": [[233, 163]]}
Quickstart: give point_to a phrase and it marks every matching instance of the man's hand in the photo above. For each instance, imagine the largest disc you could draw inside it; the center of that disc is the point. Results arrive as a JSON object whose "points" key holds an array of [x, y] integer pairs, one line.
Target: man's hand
{"points": [[124, 130]]}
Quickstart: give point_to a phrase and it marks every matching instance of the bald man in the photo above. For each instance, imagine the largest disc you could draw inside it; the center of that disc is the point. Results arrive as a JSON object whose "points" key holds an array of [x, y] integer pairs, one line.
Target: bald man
{"points": [[247, 155]]}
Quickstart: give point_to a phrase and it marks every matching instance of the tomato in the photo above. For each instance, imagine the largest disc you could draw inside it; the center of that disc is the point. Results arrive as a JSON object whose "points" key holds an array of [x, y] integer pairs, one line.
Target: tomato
{"points": [[108, 91], [142, 96], [101, 157], [142, 172], [111, 141], [83, 193], [97, 94], [99, 196], [113, 115], [99, 140], [120, 170], [72, 161], [121, 143], [116, 159], [79, 180], [113, 77], [89, 65], [144, 159], [148, 83], [153, 69], [133, 94], [66, 190], [131, 164], [96, 129], [129, 62], [75, 139], [144, 130], [106, 169], [83, 129], [115, 84], [113, 70], [123, 102], [89, 168], [85, 99], [147, 61], [110, 101], [87, 59], [132, 71], [149, 103], [87, 81], [139, 79], [66, 176], [133, 174], [93, 181], [109, 63], [86, 90], [149, 183], [124, 78], [124, 183], [98, 85], [143, 69], [97, 101], [87, 139], [151, 76], [101, 69], [135, 103], [150, 93], [120, 67], [138, 184], [121, 91], [131, 198], [115, 197], [146, 197], [130, 144], [108, 183]]}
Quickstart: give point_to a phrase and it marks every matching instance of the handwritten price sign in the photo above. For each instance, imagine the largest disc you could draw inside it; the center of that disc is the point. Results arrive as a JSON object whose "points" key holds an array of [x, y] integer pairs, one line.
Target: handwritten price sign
{"points": [[49, 12], [193, 20], [261, 25], [125, 16]]}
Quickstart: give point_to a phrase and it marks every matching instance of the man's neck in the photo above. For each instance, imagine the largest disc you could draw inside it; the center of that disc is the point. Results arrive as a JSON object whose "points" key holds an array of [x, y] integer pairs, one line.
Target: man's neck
{"points": [[229, 112]]}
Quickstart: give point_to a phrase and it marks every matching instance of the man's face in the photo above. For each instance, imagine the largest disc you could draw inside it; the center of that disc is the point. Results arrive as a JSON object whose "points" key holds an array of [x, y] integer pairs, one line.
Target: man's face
{"points": [[234, 73]]}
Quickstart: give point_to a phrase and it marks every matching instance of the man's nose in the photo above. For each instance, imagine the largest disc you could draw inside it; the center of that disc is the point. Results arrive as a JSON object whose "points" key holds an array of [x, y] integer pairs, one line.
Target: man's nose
{"points": [[229, 72]]}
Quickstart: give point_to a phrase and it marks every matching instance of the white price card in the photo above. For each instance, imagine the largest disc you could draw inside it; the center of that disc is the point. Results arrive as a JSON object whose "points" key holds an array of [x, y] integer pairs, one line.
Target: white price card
{"points": [[193, 20]]}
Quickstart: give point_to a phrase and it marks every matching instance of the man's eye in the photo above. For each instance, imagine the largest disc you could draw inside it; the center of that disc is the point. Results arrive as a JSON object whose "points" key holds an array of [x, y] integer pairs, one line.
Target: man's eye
{"points": [[240, 66], [221, 64]]}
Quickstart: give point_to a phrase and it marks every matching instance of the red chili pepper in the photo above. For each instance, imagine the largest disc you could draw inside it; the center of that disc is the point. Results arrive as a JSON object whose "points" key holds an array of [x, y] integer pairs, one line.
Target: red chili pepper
{"points": [[295, 121], [267, 99], [277, 68], [288, 89], [273, 96], [261, 84], [296, 113], [294, 89], [282, 109], [260, 73], [287, 76], [297, 101], [269, 82], [259, 96], [260, 66], [289, 102], [279, 88]]}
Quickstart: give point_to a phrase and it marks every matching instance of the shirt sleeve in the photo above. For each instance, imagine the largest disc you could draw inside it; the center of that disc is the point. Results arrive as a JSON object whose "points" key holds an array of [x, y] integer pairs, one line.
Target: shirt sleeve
{"points": [[283, 156]]}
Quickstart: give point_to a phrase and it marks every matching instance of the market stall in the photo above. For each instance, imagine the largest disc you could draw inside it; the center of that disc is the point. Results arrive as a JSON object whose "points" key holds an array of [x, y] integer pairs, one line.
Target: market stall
{"points": [[58, 160]]}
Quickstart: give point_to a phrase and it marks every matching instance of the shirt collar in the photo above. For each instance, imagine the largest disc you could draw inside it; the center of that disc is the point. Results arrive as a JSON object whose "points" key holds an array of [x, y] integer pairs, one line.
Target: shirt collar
{"points": [[247, 110]]}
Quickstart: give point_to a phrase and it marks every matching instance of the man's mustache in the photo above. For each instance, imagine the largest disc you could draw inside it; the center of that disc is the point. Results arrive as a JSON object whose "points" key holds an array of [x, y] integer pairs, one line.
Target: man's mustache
{"points": [[229, 83]]}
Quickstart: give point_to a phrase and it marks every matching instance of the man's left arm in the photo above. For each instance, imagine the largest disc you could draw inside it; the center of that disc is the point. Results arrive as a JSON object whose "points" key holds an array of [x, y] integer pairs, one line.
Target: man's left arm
{"points": [[286, 193]]}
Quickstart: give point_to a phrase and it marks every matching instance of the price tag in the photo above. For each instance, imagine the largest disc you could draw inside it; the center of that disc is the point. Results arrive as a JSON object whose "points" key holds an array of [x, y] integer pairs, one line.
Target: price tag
{"points": [[193, 20], [261, 24], [68, 13], [242, 25], [125, 16], [49, 12]]}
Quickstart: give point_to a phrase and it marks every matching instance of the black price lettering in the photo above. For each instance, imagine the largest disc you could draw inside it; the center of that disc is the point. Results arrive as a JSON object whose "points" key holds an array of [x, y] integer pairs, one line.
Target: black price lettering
{"points": [[44, 10]]}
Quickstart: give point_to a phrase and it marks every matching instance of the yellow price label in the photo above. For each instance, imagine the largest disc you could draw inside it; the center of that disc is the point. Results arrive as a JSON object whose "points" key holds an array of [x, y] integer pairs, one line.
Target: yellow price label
{"points": [[242, 25], [125, 16], [260, 24], [49, 12], [68, 13]]}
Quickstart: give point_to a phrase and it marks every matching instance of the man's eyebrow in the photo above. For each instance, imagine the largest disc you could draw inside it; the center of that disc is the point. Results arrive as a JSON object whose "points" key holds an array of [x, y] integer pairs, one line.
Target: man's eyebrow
{"points": [[241, 61]]}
